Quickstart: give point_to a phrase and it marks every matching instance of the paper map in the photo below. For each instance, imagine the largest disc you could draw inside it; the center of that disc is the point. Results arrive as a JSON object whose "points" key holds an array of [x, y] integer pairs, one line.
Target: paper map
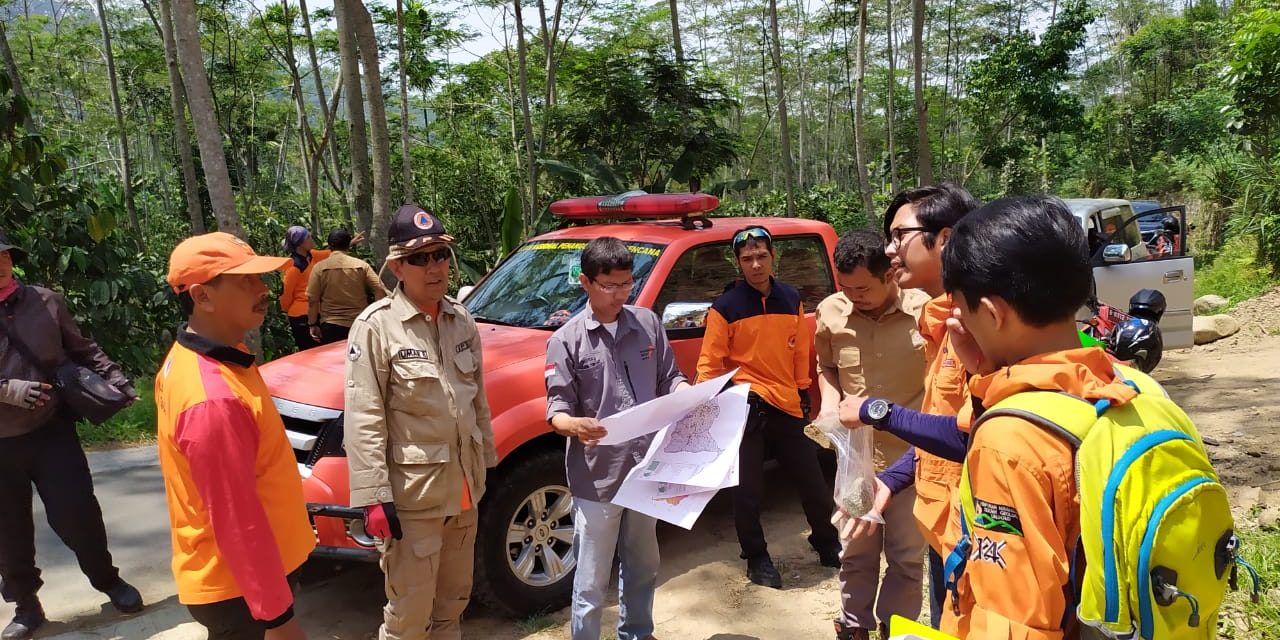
{"points": [[691, 459]]}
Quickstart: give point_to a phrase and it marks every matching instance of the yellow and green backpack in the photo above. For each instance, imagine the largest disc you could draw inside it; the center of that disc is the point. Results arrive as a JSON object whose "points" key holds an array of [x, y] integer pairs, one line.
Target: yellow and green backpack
{"points": [[1156, 532]]}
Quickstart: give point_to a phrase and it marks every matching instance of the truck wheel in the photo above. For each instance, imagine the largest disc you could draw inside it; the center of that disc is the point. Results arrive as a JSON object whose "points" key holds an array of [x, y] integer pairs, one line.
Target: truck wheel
{"points": [[524, 546]]}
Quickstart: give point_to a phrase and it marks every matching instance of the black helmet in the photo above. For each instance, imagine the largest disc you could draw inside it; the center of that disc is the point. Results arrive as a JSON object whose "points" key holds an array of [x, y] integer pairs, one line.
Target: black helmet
{"points": [[1138, 340], [1147, 304]]}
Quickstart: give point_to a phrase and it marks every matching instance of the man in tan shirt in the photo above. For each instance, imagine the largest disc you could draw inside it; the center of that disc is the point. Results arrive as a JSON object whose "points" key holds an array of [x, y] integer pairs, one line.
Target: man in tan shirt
{"points": [[418, 433], [340, 288], [867, 343]]}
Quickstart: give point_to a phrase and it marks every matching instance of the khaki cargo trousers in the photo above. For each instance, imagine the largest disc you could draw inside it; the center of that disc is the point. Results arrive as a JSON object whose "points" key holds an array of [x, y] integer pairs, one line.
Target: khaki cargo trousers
{"points": [[428, 578]]}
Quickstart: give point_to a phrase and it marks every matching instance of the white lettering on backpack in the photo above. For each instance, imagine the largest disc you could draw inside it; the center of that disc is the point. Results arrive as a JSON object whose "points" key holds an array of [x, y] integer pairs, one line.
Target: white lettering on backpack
{"points": [[988, 550]]}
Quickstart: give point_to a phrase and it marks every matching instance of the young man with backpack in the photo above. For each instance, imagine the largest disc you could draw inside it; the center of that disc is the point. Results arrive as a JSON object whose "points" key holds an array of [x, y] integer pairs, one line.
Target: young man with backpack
{"points": [[1070, 457]]}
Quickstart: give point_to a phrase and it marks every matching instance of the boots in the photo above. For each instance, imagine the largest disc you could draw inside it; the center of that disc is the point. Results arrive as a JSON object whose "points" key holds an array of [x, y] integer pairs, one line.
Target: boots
{"points": [[761, 571], [851, 633], [125, 598], [27, 617]]}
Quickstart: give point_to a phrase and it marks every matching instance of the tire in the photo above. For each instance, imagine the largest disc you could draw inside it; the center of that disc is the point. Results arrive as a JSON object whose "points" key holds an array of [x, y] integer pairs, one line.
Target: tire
{"points": [[544, 580]]}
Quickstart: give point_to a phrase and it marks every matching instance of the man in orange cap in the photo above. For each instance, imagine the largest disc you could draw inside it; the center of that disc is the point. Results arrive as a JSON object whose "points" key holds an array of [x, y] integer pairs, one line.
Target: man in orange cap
{"points": [[239, 522]]}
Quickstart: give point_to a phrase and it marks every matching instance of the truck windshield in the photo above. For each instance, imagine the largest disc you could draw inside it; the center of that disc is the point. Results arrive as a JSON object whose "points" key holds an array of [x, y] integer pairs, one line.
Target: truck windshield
{"points": [[538, 285]]}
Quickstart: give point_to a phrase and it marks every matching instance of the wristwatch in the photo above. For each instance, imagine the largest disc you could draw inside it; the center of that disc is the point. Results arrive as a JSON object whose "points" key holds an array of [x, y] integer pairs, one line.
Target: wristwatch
{"points": [[876, 412]]}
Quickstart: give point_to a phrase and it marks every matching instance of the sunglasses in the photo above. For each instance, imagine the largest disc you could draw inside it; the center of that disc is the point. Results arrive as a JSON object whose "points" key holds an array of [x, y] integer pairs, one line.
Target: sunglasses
{"points": [[757, 233], [429, 257]]}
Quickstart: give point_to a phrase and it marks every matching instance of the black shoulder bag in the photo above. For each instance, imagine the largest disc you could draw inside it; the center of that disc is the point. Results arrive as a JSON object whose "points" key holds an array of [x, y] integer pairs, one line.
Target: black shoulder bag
{"points": [[86, 393]]}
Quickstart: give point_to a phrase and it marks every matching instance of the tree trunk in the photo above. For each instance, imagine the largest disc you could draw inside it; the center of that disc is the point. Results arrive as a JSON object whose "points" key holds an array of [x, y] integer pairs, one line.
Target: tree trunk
{"points": [[126, 171], [675, 33], [181, 135], [406, 161], [312, 155], [530, 159], [924, 158], [11, 66], [784, 131], [361, 197], [204, 117], [859, 116], [325, 110], [889, 106], [379, 136]]}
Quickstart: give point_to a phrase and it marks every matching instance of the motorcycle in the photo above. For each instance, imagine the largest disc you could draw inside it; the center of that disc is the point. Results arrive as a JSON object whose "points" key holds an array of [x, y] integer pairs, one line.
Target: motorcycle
{"points": [[1133, 337]]}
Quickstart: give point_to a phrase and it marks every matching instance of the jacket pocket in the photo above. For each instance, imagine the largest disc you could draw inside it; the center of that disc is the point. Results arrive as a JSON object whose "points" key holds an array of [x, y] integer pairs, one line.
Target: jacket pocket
{"points": [[419, 474], [416, 388]]}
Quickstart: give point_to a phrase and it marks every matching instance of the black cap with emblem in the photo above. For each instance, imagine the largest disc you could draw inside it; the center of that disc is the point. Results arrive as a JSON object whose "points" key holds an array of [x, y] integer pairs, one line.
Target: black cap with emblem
{"points": [[413, 228]]}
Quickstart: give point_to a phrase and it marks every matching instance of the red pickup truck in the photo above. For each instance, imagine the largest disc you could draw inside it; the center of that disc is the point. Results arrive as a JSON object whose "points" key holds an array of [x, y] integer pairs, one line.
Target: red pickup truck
{"points": [[524, 548]]}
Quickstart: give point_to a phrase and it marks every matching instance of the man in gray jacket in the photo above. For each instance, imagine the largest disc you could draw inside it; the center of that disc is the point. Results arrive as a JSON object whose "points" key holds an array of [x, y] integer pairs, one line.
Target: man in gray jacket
{"points": [[38, 444]]}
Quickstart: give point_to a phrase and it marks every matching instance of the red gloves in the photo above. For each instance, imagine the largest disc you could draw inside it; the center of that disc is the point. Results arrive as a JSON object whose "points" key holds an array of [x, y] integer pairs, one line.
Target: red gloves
{"points": [[380, 520]]}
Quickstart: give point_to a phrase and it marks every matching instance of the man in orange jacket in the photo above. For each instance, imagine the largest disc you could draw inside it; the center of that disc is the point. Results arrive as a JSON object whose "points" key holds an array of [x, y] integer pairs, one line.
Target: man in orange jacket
{"points": [[1019, 334], [918, 225]]}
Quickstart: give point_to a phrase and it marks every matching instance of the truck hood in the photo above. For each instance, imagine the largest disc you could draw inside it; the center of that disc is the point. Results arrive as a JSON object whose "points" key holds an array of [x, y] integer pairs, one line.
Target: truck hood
{"points": [[317, 377]]}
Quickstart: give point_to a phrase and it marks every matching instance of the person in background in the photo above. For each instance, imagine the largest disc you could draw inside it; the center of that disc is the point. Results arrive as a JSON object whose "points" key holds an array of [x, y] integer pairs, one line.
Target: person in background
{"points": [[39, 445], [418, 434], [301, 249], [867, 342], [338, 290], [236, 512], [758, 326], [607, 342]]}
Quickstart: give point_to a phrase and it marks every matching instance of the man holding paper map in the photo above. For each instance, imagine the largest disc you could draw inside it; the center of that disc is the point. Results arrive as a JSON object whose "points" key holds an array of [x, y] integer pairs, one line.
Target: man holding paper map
{"points": [[609, 357]]}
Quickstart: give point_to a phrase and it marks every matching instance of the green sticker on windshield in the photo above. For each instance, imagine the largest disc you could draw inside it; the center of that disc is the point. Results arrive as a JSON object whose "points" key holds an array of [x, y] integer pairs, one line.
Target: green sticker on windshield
{"points": [[574, 272]]}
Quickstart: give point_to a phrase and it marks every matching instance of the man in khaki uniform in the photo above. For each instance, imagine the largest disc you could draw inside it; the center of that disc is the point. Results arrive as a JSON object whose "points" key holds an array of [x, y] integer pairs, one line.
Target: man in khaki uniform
{"points": [[338, 289], [418, 437], [867, 343]]}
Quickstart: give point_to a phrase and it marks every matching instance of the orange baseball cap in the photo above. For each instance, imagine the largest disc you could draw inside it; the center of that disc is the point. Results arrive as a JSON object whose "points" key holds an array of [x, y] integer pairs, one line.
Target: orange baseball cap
{"points": [[200, 259]]}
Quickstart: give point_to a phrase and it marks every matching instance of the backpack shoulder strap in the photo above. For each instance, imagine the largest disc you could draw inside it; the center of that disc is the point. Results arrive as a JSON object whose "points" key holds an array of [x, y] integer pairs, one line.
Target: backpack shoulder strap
{"points": [[1141, 382], [1068, 416]]}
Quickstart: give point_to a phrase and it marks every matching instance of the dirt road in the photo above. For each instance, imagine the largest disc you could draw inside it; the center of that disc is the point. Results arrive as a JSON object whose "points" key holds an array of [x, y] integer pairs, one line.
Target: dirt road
{"points": [[1228, 388]]}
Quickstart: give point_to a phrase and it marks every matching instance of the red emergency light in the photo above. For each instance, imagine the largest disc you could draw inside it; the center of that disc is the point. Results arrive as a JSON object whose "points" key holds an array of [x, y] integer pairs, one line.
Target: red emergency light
{"points": [[637, 204]]}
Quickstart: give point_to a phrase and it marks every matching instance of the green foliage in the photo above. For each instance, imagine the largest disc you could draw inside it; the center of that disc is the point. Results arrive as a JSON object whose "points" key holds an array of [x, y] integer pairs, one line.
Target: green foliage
{"points": [[1235, 273], [1253, 71], [512, 221]]}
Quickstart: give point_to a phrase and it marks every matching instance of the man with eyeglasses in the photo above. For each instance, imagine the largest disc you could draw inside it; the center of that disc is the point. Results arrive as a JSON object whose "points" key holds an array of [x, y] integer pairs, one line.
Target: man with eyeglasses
{"points": [[758, 326], [418, 434], [608, 358]]}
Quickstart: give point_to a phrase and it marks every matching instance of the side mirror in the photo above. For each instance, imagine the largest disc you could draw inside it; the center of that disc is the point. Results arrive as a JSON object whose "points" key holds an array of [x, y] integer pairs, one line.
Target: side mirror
{"points": [[685, 315], [464, 292], [1117, 253]]}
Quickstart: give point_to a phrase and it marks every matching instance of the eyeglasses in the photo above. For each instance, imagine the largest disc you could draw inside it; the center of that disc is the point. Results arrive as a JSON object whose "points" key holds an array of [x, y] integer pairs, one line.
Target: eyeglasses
{"points": [[901, 232], [609, 287], [429, 257], [758, 233]]}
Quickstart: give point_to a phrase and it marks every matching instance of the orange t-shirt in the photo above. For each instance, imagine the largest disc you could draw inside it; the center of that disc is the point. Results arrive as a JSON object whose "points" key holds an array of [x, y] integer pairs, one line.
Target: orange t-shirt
{"points": [[236, 510]]}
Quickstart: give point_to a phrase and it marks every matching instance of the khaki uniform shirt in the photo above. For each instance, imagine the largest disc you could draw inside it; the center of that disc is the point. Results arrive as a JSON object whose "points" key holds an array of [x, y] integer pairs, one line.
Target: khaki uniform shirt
{"points": [[879, 358], [417, 422], [343, 285]]}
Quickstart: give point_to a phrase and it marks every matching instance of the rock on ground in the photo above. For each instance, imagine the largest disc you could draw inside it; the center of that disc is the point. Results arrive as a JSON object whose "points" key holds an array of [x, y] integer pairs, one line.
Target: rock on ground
{"points": [[1206, 305], [1213, 328]]}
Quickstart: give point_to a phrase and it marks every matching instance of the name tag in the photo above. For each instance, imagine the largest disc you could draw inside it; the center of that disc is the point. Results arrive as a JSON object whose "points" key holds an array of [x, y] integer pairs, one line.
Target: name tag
{"points": [[413, 354]]}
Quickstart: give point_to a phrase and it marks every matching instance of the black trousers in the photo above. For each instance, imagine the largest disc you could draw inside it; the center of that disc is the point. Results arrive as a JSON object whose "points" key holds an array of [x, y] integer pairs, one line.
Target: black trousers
{"points": [[301, 333], [330, 333], [231, 619], [782, 434], [50, 458]]}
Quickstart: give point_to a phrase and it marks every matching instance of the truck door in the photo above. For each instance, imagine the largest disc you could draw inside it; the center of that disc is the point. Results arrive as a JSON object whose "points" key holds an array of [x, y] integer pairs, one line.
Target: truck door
{"points": [[1159, 262]]}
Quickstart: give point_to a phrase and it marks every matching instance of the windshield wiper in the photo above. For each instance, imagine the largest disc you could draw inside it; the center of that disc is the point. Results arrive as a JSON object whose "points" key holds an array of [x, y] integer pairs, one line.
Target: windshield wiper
{"points": [[500, 323]]}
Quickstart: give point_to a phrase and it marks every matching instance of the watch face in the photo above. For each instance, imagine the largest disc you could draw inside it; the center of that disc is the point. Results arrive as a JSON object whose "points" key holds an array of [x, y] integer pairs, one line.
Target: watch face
{"points": [[878, 410]]}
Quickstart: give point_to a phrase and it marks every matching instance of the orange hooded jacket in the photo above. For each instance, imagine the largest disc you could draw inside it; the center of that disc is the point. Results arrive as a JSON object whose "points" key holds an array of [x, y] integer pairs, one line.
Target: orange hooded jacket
{"points": [[1016, 587]]}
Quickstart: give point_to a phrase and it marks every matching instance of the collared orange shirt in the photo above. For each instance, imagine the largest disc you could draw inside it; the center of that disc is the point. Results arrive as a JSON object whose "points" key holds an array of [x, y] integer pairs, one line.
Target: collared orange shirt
{"points": [[945, 394], [1016, 588], [236, 511], [882, 357]]}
